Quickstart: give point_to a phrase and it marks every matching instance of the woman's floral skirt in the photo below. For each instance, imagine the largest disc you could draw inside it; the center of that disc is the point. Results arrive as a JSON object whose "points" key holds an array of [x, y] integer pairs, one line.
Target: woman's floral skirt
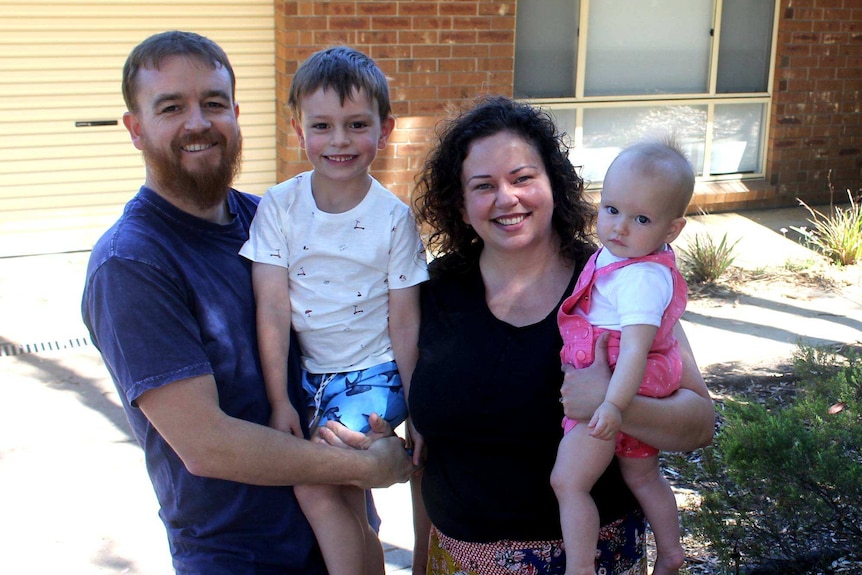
{"points": [[620, 552]]}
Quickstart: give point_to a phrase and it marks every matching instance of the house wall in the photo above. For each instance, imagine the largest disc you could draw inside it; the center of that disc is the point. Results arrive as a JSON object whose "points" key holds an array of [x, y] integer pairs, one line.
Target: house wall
{"points": [[816, 124], [440, 55], [437, 55]]}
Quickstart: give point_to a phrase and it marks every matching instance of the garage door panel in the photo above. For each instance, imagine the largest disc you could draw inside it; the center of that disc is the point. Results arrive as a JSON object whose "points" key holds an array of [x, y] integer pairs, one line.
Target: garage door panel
{"points": [[107, 90], [110, 40], [27, 120], [241, 51], [60, 63], [60, 167], [42, 138], [65, 182], [109, 76], [259, 95], [96, 10]]}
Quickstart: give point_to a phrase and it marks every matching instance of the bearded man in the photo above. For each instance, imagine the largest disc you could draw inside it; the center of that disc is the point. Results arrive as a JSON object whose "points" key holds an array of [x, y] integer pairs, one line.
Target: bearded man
{"points": [[169, 304]]}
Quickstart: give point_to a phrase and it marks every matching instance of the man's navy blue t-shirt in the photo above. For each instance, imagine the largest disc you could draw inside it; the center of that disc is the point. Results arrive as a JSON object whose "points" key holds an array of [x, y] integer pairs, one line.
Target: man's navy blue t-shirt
{"points": [[168, 298]]}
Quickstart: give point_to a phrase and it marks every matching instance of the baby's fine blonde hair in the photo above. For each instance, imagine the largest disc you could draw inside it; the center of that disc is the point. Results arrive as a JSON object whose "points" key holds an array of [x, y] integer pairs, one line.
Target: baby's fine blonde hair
{"points": [[664, 158]]}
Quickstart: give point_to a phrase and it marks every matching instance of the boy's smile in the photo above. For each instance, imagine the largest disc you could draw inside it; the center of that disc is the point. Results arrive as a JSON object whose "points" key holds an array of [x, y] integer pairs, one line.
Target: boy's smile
{"points": [[341, 140]]}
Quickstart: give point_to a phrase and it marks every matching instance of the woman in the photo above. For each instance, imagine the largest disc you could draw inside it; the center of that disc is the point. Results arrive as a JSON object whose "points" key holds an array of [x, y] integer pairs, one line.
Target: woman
{"points": [[510, 225]]}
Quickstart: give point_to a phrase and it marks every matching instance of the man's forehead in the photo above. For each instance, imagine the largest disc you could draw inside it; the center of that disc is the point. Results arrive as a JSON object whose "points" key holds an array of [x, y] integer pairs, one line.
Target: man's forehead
{"points": [[177, 61], [179, 73]]}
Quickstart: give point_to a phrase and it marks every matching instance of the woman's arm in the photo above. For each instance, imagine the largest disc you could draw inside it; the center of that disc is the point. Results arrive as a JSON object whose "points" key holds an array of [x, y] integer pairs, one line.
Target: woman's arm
{"points": [[683, 421]]}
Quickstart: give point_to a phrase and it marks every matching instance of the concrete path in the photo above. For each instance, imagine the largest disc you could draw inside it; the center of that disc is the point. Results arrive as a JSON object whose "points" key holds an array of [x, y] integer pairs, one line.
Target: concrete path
{"points": [[74, 495]]}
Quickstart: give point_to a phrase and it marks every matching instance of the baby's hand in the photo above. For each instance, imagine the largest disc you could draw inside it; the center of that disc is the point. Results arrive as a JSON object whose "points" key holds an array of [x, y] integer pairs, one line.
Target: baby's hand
{"points": [[606, 421], [285, 418]]}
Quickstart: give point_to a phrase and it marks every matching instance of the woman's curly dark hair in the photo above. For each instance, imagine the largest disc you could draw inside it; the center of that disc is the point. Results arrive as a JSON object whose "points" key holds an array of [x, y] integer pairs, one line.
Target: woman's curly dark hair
{"points": [[438, 197]]}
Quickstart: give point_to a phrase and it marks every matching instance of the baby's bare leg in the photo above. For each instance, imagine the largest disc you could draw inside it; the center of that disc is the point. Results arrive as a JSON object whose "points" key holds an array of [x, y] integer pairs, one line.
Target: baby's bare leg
{"points": [[655, 496], [581, 459]]}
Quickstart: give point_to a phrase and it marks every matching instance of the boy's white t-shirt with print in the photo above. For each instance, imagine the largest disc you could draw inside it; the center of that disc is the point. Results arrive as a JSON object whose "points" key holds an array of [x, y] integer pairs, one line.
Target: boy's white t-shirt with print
{"points": [[341, 268]]}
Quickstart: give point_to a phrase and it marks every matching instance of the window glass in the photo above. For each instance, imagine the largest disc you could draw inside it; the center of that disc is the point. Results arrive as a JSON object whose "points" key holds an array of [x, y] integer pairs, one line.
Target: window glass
{"points": [[546, 42], [606, 131], [643, 58], [737, 131], [745, 45], [638, 47]]}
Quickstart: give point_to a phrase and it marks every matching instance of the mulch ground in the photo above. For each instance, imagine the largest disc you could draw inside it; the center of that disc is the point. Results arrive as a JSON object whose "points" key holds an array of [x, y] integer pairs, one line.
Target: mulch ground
{"points": [[769, 380]]}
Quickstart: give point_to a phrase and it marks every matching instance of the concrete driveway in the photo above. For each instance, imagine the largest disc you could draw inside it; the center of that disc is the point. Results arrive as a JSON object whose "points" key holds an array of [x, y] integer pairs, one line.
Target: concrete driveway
{"points": [[74, 495]]}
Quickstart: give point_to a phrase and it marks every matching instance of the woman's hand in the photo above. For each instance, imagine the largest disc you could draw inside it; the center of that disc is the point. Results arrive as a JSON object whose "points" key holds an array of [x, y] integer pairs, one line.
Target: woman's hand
{"points": [[584, 389], [415, 443]]}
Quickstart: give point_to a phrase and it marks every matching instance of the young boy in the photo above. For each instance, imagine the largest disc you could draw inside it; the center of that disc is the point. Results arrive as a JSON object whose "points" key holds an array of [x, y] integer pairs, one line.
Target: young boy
{"points": [[630, 287], [338, 258]]}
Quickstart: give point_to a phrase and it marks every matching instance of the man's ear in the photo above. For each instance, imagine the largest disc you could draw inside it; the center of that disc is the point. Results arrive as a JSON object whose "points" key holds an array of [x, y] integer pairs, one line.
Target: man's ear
{"points": [[386, 129], [297, 128], [674, 229], [130, 121]]}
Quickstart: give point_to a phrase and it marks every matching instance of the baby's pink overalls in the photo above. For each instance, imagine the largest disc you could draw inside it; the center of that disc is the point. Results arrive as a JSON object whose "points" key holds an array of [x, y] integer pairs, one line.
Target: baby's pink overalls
{"points": [[664, 365]]}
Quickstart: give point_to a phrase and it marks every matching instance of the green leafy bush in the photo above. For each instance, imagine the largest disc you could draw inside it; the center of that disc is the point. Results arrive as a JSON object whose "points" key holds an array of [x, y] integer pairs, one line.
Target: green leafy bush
{"points": [[783, 484], [705, 260]]}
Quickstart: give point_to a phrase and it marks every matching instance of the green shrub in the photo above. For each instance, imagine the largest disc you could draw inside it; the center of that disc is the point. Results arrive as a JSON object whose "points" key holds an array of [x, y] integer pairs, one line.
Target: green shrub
{"points": [[784, 483], [837, 235], [705, 260]]}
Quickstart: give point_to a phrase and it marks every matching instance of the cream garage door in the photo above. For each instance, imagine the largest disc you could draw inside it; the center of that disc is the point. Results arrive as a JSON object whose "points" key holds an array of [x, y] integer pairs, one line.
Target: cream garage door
{"points": [[67, 165]]}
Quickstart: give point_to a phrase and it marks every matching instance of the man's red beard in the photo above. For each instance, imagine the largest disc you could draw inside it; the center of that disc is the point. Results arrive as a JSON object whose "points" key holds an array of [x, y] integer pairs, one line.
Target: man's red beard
{"points": [[204, 188]]}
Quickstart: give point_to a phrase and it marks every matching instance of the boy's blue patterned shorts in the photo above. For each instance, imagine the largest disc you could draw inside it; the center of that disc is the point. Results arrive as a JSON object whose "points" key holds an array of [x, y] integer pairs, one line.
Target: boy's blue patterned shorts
{"points": [[349, 398]]}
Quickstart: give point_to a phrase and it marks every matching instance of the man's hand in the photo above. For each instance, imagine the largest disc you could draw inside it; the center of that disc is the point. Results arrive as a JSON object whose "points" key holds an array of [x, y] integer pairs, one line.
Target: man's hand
{"points": [[584, 389], [393, 463], [337, 435]]}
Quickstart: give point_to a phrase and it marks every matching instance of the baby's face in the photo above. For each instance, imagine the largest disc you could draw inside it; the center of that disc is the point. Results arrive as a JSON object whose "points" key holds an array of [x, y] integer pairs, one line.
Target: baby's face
{"points": [[635, 215]]}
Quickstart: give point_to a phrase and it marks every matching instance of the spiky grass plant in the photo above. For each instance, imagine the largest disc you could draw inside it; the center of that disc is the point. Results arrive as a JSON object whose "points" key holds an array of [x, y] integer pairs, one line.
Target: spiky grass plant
{"points": [[704, 260], [837, 235]]}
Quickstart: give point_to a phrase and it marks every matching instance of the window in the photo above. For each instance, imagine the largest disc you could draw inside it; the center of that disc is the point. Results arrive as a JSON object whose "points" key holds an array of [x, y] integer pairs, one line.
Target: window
{"points": [[615, 71]]}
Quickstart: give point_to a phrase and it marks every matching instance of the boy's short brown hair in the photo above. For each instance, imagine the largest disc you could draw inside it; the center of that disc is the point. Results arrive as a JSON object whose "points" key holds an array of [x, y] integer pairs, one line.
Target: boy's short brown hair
{"points": [[344, 70]]}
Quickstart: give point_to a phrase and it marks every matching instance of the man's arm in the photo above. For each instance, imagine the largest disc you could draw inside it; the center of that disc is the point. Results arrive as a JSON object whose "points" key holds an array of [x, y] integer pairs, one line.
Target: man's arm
{"points": [[212, 444], [683, 421]]}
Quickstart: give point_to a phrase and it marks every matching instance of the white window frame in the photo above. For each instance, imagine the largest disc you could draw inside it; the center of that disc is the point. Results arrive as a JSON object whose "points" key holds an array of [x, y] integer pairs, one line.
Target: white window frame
{"points": [[580, 102]]}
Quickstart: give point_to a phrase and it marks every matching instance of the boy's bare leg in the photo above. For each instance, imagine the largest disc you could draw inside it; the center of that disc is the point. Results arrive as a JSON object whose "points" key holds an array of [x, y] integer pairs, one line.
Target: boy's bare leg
{"points": [[337, 515]]}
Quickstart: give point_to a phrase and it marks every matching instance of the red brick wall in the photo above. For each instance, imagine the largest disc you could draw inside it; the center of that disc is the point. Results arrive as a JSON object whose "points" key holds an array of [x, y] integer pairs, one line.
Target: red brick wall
{"points": [[435, 54], [438, 54], [816, 123]]}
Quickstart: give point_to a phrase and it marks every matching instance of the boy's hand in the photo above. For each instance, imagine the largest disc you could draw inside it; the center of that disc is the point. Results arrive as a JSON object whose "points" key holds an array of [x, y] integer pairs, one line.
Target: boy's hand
{"points": [[285, 418]]}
